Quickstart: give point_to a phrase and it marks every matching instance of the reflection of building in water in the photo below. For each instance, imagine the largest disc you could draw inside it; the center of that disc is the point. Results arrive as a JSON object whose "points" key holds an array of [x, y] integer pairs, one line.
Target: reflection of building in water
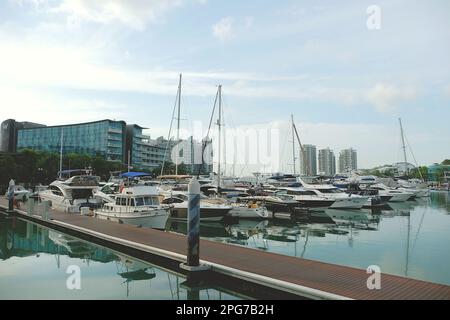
{"points": [[22, 239]]}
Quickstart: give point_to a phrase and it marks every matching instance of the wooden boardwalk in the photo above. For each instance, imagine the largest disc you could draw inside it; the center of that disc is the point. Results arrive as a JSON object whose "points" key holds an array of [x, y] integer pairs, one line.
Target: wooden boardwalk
{"points": [[303, 277]]}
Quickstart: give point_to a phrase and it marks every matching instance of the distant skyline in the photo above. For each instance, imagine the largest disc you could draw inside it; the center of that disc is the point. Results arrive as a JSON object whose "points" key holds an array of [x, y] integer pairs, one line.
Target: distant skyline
{"points": [[68, 61]]}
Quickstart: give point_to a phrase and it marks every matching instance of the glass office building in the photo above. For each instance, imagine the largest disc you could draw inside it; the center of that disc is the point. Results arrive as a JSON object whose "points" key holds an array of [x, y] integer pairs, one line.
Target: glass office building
{"points": [[104, 137], [145, 153]]}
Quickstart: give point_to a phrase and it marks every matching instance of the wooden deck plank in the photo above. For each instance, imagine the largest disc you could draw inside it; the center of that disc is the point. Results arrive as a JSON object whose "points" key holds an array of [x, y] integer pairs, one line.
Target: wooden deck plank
{"points": [[340, 280]]}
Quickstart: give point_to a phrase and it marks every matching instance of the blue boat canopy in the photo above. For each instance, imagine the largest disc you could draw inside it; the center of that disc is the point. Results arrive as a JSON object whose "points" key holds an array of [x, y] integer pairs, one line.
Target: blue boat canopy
{"points": [[135, 174]]}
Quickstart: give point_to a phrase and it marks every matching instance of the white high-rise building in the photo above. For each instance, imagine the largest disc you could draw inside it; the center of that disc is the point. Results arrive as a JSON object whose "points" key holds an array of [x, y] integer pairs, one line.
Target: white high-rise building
{"points": [[348, 160], [327, 162], [308, 160]]}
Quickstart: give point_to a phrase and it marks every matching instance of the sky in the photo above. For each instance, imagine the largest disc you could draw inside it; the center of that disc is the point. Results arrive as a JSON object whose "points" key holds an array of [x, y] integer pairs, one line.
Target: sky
{"points": [[345, 81]]}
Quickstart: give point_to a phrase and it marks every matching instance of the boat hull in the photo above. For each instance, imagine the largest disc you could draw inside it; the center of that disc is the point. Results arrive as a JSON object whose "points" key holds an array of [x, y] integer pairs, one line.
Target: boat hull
{"points": [[349, 203], [155, 220], [250, 213], [400, 197], [206, 214]]}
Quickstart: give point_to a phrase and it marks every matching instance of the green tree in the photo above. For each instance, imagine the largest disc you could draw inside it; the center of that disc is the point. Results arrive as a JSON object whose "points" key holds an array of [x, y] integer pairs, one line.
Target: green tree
{"points": [[7, 171], [169, 169], [419, 173], [446, 162]]}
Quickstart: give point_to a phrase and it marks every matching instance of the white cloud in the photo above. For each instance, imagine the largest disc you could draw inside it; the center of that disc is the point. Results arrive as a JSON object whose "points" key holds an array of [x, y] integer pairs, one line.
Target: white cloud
{"points": [[24, 103], [226, 28], [385, 97], [35, 3], [223, 30], [136, 14]]}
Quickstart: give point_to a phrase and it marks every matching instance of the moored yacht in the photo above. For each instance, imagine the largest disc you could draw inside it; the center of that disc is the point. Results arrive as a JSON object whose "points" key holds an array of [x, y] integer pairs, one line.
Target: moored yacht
{"points": [[307, 198], [249, 209], [72, 194], [397, 195], [210, 209], [136, 205], [342, 200]]}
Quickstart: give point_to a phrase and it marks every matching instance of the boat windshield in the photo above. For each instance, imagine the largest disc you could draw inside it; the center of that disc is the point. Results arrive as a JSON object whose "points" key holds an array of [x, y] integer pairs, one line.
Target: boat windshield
{"points": [[146, 201], [330, 191]]}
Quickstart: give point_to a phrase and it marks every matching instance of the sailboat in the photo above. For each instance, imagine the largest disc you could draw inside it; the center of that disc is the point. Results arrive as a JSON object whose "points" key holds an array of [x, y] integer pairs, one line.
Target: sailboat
{"points": [[179, 199], [419, 190]]}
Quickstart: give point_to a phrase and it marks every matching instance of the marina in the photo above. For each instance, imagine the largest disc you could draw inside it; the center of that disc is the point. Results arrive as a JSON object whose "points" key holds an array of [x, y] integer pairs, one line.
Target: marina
{"points": [[289, 273], [194, 150]]}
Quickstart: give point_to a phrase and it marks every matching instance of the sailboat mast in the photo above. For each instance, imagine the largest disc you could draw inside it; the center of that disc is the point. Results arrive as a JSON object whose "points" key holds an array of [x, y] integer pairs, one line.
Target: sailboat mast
{"points": [[61, 154], [224, 146], [219, 123], [403, 142], [178, 125], [293, 143]]}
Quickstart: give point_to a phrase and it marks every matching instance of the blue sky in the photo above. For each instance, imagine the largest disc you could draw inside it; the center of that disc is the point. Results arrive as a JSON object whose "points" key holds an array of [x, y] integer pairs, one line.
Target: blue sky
{"points": [[65, 61]]}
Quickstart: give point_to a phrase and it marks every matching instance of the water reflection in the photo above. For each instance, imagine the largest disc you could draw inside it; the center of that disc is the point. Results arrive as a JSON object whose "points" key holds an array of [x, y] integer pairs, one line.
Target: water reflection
{"points": [[34, 260]]}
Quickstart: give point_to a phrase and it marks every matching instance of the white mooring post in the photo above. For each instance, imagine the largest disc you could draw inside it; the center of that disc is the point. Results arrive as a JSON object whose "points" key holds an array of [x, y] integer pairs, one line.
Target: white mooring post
{"points": [[193, 239], [45, 209], [11, 190], [30, 206]]}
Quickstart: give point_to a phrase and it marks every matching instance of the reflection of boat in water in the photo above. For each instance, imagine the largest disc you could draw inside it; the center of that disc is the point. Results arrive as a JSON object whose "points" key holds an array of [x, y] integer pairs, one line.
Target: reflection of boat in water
{"points": [[245, 230], [73, 245], [282, 233], [356, 219], [133, 270], [408, 205]]}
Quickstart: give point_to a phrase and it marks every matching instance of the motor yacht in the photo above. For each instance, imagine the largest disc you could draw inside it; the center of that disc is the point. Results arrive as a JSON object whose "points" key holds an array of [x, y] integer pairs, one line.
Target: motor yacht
{"points": [[210, 209], [398, 195], [136, 205], [72, 194]]}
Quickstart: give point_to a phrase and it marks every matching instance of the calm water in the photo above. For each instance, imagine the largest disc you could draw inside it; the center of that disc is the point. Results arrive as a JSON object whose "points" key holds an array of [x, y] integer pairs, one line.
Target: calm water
{"points": [[411, 239], [34, 261]]}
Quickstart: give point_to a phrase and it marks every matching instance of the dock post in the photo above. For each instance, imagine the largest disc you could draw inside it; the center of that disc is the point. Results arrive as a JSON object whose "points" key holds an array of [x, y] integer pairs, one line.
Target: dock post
{"points": [[193, 240], [45, 209], [193, 257], [11, 189], [30, 206]]}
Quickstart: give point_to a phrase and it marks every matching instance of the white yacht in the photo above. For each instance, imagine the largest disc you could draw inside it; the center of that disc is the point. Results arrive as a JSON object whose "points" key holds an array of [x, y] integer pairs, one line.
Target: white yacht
{"points": [[72, 194], [398, 195], [251, 209], [210, 209], [342, 199], [306, 198], [136, 205], [324, 197]]}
